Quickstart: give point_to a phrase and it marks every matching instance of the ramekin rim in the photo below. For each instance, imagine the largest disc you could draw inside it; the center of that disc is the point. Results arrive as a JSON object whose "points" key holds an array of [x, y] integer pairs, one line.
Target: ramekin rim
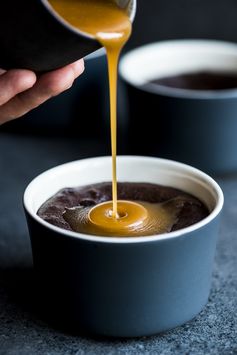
{"points": [[178, 92], [128, 240]]}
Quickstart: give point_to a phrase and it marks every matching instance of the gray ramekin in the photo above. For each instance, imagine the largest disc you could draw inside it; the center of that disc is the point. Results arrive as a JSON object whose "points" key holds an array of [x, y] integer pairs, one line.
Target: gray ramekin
{"points": [[192, 126], [123, 287]]}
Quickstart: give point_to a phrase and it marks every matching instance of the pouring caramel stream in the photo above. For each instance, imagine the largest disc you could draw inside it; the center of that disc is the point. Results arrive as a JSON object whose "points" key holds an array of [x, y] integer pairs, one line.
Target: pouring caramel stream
{"points": [[106, 21], [111, 26]]}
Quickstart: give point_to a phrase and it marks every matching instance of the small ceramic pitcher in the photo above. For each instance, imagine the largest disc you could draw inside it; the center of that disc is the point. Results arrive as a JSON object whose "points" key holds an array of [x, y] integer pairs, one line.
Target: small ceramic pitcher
{"points": [[33, 36]]}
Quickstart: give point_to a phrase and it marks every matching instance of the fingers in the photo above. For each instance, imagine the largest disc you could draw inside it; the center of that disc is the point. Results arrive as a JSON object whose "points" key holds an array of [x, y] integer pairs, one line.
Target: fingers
{"points": [[78, 67], [14, 82], [47, 86]]}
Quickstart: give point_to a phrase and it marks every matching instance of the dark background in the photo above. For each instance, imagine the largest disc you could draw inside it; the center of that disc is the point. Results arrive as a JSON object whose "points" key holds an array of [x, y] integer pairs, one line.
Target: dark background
{"points": [[171, 19]]}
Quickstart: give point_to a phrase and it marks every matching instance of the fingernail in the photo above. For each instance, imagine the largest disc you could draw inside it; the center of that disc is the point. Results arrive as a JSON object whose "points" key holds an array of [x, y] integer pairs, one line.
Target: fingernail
{"points": [[79, 67]]}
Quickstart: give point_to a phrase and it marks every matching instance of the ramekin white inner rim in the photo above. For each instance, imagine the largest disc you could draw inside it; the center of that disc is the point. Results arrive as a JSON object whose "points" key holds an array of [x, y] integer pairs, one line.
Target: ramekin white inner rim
{"points": [[175, 57], [133, 169]]}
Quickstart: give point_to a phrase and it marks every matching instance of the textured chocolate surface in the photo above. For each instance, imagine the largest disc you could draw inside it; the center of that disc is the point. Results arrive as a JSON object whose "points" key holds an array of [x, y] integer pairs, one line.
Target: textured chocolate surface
{"points": [[200, 81], [52, 210]]}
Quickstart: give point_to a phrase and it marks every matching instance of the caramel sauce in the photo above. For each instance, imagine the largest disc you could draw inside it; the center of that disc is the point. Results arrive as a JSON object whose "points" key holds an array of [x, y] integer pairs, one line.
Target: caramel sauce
{"points": [[111, 26], [136, 218]]}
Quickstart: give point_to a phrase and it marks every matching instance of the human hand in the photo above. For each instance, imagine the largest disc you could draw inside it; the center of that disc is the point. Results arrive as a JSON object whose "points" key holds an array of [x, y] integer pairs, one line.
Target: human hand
{"points": [[21, 90]]}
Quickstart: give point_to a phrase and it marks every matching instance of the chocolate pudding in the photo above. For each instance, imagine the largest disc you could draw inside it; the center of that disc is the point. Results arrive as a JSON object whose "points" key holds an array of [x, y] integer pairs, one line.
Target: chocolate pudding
{"points": [[168, 209], [202, 80]]}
